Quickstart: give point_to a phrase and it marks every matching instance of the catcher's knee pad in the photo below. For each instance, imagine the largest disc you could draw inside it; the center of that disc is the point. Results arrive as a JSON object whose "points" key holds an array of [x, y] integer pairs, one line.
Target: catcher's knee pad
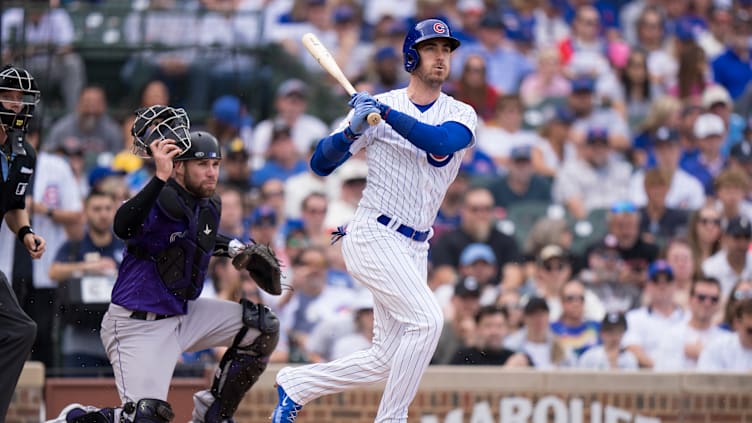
{"points": [[242, 363], [150, 410]]}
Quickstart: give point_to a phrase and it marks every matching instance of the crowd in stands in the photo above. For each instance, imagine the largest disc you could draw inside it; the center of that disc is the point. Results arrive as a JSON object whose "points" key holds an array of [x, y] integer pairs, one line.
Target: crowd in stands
{"points": [[602, 219]]}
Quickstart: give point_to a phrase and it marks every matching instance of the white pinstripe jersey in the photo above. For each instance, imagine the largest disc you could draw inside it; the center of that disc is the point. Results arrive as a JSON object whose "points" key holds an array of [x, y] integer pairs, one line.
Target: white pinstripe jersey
{"points": [[405, 182]]}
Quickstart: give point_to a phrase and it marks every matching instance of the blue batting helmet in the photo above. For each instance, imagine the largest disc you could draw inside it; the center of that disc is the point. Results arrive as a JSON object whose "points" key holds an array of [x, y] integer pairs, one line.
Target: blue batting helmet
{"points": [[422, 31]]}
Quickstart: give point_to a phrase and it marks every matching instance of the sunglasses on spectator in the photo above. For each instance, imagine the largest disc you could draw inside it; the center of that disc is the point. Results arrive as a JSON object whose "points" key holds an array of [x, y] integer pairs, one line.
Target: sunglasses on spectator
{"points": [[742, 295], [550, 267], [709, 221], [703, 298], [573, 298]]}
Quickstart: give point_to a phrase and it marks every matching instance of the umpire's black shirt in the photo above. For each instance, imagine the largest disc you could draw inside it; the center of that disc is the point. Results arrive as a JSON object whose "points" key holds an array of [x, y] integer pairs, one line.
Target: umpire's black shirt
{"points": [[21, 159]]}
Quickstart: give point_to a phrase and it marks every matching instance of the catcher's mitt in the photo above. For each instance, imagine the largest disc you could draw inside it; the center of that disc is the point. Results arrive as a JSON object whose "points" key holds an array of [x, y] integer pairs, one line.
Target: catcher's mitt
{"points": [[262, 264]]}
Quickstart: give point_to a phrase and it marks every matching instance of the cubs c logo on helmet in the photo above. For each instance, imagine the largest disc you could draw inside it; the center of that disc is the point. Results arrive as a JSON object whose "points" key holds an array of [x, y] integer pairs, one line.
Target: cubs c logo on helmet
{"points": [[439, 161], [439, 28]]}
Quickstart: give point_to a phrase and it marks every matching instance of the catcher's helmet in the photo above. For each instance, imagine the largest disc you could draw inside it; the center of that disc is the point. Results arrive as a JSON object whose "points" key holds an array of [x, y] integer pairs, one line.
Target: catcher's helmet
{"points": [[203, 146], [422, 31], [159, 122], [18, 80]]}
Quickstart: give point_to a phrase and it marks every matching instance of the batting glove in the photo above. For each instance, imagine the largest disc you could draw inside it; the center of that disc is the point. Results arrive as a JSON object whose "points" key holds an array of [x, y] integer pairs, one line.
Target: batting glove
{"points": [[359, 123], [358, 98]]}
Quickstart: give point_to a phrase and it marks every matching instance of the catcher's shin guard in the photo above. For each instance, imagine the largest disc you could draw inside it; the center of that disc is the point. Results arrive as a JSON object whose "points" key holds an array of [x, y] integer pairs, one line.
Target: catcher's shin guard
{"points": [[149, 410], [241, 365]]}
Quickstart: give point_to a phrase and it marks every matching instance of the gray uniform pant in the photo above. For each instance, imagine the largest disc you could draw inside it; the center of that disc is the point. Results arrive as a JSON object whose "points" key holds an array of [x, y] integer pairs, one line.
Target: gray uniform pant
{"points": [[143, 353], [17, 334]]}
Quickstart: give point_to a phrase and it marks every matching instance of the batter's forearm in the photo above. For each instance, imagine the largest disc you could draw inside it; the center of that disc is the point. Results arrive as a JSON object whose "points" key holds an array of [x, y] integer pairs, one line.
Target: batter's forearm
{"points": [[331, 152], [131, 216]]}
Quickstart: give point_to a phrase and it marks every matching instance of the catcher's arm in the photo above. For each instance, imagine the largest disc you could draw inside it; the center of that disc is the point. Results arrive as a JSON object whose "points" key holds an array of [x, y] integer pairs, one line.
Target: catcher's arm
{"points": [[225, 246]]}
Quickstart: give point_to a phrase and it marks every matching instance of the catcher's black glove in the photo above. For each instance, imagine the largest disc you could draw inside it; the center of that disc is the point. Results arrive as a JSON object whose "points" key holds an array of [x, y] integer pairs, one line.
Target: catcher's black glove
{"points": [[263, 266]]}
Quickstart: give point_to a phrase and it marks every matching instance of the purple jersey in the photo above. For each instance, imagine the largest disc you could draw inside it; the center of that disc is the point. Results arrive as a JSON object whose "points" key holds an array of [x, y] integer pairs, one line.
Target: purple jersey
{"points": [[141, 284]]}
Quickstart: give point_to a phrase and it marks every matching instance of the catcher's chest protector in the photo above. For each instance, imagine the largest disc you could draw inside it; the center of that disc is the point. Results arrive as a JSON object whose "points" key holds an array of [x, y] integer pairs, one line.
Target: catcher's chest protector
{"points": [[183, 264]]}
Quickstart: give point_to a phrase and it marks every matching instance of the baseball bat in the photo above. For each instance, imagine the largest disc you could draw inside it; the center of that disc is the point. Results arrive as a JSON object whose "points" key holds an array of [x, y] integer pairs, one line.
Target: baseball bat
{"points": [[326, 60]]}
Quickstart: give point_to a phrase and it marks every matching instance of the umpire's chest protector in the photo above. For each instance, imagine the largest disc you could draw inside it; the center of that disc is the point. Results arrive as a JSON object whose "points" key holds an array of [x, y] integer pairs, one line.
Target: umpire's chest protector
{"points": [[183, 264]]}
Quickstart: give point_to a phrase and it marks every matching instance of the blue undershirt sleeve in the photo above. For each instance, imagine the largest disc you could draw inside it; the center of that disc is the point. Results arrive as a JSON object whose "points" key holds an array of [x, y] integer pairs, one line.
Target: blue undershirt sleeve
{"points": [[441, 140], [330, 152]]}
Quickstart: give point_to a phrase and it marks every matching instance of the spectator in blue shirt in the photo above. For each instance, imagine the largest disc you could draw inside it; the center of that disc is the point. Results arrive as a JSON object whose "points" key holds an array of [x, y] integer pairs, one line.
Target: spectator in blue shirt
{"points": [[733, 68], [709, 132]]}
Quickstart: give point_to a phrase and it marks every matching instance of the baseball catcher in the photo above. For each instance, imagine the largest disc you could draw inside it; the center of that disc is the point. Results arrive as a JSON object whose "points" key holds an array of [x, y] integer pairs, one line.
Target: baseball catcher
{"points": [[170, 228]]}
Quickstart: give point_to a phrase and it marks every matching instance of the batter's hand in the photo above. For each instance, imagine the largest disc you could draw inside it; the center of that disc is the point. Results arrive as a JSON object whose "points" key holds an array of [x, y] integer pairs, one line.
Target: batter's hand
{"points": [[359, 121], [164, 152], [358, 98], [35, 244]]}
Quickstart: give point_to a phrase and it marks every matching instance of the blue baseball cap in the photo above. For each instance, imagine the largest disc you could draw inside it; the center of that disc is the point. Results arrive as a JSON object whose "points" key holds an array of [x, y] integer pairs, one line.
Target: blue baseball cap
{"points": [[583, 83], [475, 252], [597, 135], [229, 110], [263, 216], [565, 115], [659, 267], [623, 206]]}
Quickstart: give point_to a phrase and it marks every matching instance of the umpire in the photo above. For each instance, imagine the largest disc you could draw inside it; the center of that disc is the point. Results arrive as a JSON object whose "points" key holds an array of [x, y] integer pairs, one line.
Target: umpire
{"points": [[18, 96]]}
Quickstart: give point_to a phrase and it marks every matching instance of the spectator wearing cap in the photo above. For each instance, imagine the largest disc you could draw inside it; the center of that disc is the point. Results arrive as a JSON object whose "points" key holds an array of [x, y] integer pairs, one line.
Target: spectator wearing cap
{"points": [[553, 268], [658, 222], [536, 340], [491, 327], [519, 25], [520, 184], [478, 262], [732, 187], [682, 346], [733, 261], [731, 352], [588, 117], [459, 323], [557, 147], [387, 70], [283, 159], [733, 68], [647, 325], [472, 87], [594, 181], [263, 225], [707, 162], [623, 222], [477, 225], [505, 66], [602, 275], [505, 131], [236, 169], [685, 192], [72, 150], [290, 106], [716, 100], [353, 176], [740, 156], [230, 120], [576, 332], [547, 82], [609, 355]]}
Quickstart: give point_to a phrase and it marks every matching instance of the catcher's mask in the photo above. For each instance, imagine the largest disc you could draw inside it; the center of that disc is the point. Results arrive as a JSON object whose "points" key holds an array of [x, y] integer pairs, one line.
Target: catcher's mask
{"points": [[159, 122], [17, 80]]}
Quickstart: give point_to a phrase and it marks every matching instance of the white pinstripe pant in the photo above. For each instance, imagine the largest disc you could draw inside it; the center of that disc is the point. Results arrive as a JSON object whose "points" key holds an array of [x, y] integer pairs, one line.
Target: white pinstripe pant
{"points": [[407, 322]]}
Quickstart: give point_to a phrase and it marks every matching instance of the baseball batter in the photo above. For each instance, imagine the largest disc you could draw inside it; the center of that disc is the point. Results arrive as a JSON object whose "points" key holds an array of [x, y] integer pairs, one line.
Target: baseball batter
{"points": [[413, 156], [170, 228]]}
